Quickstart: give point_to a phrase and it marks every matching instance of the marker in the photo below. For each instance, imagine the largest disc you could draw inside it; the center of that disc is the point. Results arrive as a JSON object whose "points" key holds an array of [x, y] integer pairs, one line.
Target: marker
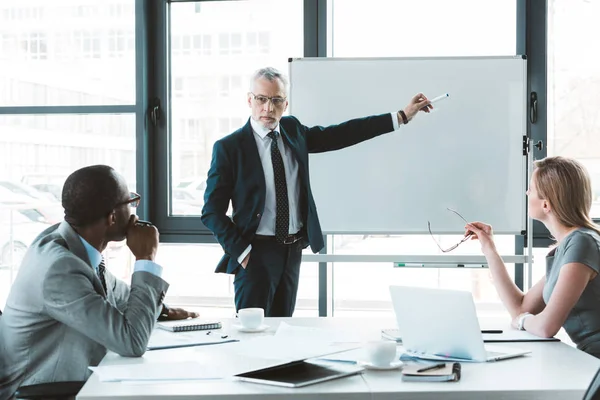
{"points": [[492, 331], [440, 97], [436, 99], [417, 265]]}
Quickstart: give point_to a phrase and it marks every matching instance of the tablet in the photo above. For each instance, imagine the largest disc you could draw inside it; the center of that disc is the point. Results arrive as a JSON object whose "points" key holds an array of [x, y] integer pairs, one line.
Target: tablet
{"points": [[299, 373]]}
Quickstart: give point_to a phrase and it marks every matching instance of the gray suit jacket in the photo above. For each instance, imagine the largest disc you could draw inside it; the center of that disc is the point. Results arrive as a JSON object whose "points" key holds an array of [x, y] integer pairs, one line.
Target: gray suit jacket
{"points": [[58, 320]]}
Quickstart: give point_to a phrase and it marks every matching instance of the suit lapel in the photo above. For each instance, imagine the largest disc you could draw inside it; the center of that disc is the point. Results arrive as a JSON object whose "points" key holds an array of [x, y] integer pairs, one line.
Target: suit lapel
{"points": [[76, 246]]}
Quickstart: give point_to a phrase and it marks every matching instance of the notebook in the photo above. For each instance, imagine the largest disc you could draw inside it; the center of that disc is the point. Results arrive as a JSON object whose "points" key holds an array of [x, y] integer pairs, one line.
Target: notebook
{"points": [[163, 339], [450, 372], [187, 325]]}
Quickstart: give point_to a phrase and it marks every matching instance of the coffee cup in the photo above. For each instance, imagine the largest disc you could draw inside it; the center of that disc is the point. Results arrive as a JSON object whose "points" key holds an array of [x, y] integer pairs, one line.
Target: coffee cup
{"points": [[251, 318], [381, 353]]}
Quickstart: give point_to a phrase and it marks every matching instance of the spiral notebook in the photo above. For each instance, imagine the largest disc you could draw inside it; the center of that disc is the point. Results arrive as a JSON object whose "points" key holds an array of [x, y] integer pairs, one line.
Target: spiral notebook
{"points": [[188, 325]]}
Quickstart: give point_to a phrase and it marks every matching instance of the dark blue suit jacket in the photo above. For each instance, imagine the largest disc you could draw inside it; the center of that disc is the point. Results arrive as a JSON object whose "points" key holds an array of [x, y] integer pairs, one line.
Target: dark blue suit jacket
{"points": [[236, 174]]}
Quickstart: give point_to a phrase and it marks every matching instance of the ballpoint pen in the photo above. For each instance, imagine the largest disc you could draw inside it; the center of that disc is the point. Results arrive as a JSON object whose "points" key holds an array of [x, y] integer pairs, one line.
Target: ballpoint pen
{"points": [[143, 223], [432, 367]]}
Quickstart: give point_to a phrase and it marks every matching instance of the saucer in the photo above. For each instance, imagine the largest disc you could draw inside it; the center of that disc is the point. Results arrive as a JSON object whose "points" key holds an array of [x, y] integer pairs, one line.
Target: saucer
{"points": [[241, 328], [391, 366]]}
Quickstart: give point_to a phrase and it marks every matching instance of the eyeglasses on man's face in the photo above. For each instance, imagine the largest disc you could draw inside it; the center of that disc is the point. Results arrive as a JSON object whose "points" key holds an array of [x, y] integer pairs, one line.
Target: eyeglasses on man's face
{"points": [[133, 201], [467, 237], [276, 101]]}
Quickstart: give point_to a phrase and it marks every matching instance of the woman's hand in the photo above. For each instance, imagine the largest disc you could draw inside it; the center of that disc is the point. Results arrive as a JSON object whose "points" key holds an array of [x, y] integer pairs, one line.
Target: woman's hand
{"points": [[484, 233]]}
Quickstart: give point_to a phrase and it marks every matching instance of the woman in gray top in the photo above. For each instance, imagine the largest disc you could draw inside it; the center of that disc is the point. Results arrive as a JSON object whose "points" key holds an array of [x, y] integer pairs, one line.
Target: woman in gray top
{"points": [[560, 196]]}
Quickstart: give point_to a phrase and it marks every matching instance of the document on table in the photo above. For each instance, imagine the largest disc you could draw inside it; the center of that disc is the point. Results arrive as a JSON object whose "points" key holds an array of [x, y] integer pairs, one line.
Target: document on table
{"points": [[287, 349], [161, 339], [319, 334], [174, 371]]}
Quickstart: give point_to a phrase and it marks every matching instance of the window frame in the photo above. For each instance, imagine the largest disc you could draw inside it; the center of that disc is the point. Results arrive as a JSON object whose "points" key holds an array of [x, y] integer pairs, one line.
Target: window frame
{"points": [[137, 109]]}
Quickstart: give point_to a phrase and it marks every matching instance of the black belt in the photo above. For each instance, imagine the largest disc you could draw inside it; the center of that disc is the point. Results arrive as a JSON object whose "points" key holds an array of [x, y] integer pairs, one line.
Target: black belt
{"points": [[290, 239]]}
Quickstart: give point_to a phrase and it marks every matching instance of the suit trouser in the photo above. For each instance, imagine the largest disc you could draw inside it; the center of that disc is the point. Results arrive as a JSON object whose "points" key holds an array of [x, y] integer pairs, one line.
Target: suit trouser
{"points": [[270, 280]]}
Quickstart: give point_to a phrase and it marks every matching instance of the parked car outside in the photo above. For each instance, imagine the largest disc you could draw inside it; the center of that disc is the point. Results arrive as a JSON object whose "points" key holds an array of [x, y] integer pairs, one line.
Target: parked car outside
{"points": [[17, 232]]}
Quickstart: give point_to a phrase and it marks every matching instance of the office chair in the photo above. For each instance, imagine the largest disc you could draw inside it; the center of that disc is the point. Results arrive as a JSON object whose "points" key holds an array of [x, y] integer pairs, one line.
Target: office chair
{"points": [[593, 390], [49, 391]]}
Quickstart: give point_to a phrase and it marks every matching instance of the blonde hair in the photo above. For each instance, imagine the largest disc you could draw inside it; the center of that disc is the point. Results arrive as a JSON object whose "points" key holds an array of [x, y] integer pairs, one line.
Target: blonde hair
{"points": [[566, 185]]}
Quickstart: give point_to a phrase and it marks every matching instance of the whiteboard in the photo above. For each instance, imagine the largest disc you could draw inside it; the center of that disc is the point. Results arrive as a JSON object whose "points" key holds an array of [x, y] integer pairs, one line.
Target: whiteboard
{"points": [[466, 155]]}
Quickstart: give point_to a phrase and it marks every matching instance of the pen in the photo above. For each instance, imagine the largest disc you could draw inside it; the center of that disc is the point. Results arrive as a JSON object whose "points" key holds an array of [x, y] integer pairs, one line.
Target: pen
{"points": [[491, 331], [143, 223], [432, 367]]}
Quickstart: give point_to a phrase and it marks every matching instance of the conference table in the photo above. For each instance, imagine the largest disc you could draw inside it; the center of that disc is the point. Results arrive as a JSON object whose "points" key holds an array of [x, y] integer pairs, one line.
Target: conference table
{"points": [[553, 370]]}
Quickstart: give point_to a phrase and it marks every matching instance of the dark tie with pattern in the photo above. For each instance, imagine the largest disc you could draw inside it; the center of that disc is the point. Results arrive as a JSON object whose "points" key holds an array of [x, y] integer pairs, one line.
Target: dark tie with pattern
{"points": [[101, 271], [282, 216]]}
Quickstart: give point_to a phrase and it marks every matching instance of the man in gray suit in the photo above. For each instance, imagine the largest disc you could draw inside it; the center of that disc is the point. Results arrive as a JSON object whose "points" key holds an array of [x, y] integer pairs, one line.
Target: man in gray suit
{"points": [[65, 309]]}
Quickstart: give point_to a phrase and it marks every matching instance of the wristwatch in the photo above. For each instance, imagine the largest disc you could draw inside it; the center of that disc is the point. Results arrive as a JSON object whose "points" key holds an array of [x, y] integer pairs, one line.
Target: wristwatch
{"points": [[521, 320], [402, 115]]}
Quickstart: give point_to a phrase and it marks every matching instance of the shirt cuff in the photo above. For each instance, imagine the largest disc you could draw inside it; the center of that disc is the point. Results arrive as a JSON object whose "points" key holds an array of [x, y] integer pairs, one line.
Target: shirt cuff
{"points": [[395, 121], [244, 254], [148, 266]]}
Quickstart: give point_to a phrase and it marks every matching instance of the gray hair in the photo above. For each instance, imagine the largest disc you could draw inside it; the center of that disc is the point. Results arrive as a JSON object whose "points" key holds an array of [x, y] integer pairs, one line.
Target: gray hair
{"points": [[270, 74]]}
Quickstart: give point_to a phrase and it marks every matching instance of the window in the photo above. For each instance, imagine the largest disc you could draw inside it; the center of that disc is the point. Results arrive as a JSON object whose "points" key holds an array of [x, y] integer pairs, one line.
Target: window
{"points": [[213, 87], [37, 155], [77, 54], [405, 28], [573, 87]]}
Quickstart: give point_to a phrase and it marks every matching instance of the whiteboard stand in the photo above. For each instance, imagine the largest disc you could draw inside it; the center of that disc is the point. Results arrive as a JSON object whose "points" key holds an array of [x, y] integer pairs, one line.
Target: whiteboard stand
{"points": [[529, 220]]}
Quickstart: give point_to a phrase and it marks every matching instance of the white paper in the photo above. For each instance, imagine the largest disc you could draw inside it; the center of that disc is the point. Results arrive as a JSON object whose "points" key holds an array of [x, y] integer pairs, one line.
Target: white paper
{"points": [[318, 334], [166, 339], [175, 371], [285, 348]]}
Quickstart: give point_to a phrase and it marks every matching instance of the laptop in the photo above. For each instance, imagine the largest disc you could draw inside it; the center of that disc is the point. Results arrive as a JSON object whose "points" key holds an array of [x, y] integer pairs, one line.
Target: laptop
{"points": [[440, 324]]}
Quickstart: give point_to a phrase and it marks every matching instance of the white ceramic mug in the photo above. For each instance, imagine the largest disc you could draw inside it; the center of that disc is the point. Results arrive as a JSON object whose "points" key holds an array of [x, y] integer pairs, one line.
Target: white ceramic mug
{"points": [[251, 318], [381, 353]]}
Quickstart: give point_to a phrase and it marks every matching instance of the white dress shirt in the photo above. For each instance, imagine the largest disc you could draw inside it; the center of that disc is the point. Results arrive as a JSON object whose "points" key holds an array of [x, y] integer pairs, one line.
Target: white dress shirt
{"points": [[266, 225]]}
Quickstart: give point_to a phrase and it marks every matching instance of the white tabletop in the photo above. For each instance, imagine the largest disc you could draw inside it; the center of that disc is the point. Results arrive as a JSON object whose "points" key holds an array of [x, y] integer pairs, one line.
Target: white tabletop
{"points": [[553, 370]]}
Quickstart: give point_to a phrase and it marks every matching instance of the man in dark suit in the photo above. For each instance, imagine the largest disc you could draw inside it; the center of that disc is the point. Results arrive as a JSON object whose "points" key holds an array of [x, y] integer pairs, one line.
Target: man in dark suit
{"points": [[262, 169]]}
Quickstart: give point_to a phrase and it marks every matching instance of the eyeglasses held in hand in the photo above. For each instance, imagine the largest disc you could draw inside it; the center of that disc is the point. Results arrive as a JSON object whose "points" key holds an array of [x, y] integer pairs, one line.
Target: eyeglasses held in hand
{"points": [[467, 237], [276, 101]]}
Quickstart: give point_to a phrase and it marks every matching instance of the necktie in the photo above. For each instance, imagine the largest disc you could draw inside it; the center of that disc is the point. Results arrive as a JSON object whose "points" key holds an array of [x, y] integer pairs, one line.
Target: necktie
{"points": [[282, 215], [101, 271]]}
